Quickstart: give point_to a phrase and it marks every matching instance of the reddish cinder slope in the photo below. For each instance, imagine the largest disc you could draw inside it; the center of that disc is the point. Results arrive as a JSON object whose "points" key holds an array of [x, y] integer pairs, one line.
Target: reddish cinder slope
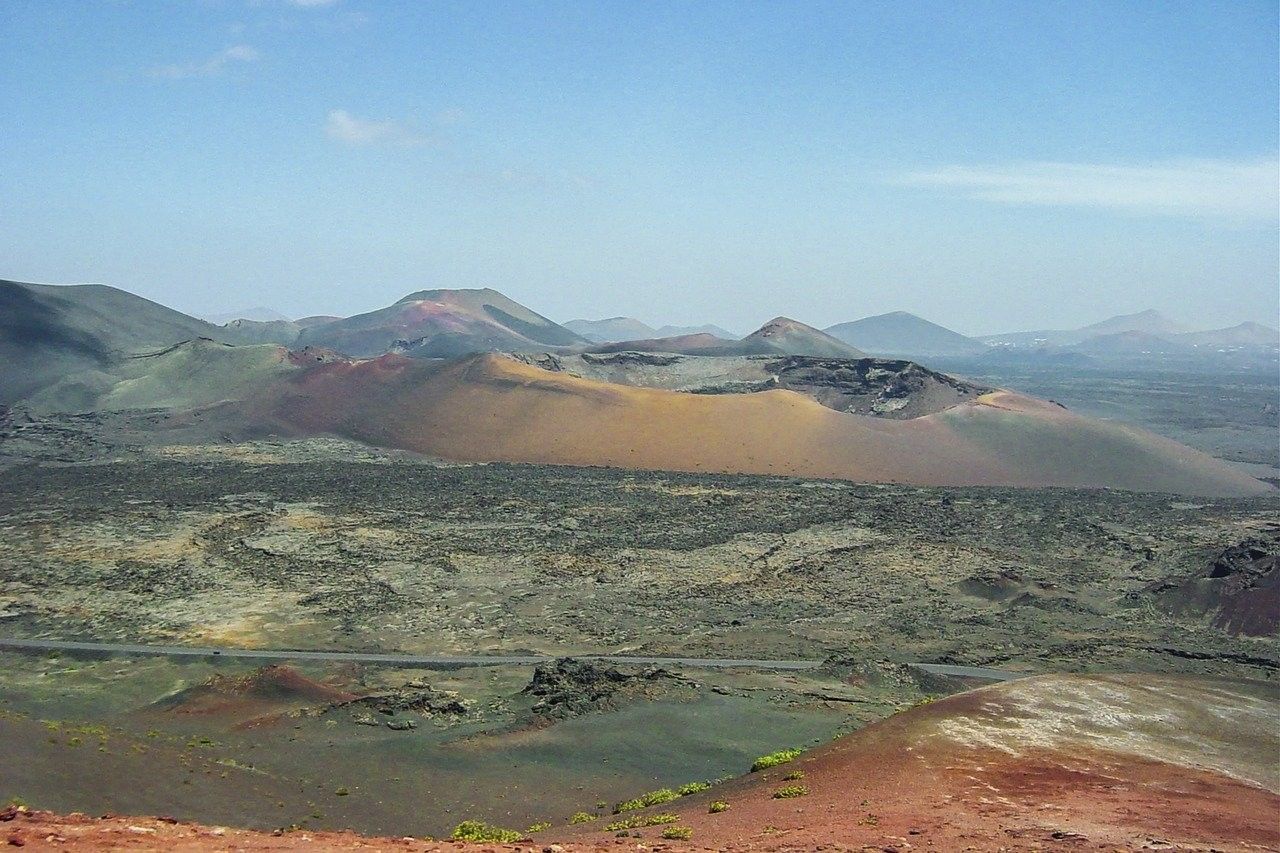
{"points": [[493, 408], [1051, 762], [271, 689]]}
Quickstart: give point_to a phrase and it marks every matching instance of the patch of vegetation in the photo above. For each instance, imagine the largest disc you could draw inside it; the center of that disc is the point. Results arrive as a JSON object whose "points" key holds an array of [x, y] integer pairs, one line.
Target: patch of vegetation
{"points": [[539, 826], [717, 806], [682, 833], [790, 792], [476, 830], [773, 759], [869, 820], [692, 788], [637, 821], [341, 792], [653, 798], [582, 817], [793, 775]]}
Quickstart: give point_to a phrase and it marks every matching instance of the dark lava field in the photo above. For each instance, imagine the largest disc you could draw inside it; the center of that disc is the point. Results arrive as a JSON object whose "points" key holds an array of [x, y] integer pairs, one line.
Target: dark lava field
{"points": [[558, 561]]}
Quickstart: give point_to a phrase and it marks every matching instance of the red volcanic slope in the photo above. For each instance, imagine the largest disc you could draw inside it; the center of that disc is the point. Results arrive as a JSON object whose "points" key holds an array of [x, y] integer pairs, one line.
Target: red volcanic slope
{"points": [[1051, 762]]}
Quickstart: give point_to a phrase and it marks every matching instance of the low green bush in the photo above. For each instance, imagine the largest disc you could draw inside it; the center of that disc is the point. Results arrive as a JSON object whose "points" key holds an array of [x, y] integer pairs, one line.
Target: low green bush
{"points": [[475, 830], [653, 798], [637, 821], [682, 833], [718, 806], [790, 792], [582, 817], [692, 788], [773, 759]]}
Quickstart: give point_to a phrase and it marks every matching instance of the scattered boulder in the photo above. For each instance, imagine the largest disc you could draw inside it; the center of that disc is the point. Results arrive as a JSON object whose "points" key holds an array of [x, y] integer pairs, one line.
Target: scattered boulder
{"points": [[415, 696]]}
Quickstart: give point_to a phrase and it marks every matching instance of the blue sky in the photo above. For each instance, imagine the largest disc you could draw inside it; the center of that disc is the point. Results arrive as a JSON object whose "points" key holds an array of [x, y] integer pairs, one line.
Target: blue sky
{"points": [[987, 165]]}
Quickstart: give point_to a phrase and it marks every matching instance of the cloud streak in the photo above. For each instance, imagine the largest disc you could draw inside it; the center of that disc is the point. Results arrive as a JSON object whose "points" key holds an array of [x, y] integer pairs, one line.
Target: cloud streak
{"points": [[214, 65], [1219, 188], [341, 126]]}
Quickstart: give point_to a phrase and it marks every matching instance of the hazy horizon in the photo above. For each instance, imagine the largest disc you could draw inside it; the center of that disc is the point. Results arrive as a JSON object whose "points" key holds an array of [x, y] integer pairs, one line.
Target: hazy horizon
{"points": [[991, 169]]}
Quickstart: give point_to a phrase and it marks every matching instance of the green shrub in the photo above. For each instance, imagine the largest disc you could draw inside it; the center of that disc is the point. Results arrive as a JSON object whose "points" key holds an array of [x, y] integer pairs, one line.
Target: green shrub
{"points": [[773, 759], [683, 833], [637, 821], [692, 788], [790, 792], [539, 826], [653, 798], [793, 776], [582, 817], [717, 806], [475, 830]]}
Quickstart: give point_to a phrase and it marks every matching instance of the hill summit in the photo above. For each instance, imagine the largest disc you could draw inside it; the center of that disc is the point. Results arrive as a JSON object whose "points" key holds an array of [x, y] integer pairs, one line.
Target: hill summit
{"points": [[900, 333], [782, 334], [442, 324]]}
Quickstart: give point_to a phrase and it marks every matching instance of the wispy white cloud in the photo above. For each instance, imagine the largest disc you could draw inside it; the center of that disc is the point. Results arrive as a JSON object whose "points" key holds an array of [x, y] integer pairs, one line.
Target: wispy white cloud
{"points": [[214, 65], [1232, 188], [342, 126]]}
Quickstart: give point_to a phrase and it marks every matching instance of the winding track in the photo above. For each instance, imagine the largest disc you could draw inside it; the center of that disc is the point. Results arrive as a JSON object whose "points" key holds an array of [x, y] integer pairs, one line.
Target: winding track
{"points": [[430, 661]]}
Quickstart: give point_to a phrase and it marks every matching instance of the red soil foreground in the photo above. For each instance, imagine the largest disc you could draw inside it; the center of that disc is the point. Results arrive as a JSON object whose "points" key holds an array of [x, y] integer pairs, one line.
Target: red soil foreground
{"points": [[1048, 763]]}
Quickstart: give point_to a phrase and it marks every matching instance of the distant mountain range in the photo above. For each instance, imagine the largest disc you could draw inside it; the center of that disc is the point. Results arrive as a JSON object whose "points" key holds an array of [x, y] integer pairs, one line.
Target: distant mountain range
{"points": [[788, 399], [257, 314], [1148, 322], [780, 336], [1144, 336], [615, 329]]}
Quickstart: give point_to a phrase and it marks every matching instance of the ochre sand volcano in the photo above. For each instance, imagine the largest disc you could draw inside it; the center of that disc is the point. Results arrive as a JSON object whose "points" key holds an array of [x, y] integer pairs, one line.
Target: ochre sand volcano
{"points": [[493, 408]]}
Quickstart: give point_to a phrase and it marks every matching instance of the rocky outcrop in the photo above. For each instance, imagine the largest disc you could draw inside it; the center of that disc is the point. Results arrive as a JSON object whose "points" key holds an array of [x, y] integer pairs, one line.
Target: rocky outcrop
{"points": [[569, 688], [1239, 589], [415, 696]]}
